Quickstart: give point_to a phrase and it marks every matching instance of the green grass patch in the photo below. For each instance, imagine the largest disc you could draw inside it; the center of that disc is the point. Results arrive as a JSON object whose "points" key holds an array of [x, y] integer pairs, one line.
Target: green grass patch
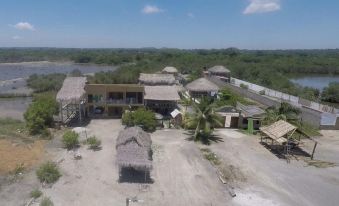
{"points": [[36, 193], [11, 128]]}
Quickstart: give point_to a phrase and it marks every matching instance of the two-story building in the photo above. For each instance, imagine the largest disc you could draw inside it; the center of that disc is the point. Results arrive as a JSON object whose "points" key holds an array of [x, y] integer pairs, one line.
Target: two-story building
{"points": [[110, 100]]}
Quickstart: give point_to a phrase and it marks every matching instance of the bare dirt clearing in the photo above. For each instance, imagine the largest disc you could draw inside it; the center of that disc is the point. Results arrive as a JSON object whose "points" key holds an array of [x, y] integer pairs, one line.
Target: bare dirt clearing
{"points": [[273, 180], [182, 175]]}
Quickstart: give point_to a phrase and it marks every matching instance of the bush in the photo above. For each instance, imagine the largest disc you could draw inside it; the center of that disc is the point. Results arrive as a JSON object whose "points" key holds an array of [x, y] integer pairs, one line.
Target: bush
{"points": [[244, 86], [39, 114], [46, 201], [262, 92], [70, 139], [141, 117], [48, 82], [36, 193], [48, 173], [93, 143]]}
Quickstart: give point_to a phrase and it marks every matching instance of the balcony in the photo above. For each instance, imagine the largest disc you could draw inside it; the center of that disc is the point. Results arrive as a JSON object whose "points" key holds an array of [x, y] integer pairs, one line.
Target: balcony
{"points": [[128, 101]]}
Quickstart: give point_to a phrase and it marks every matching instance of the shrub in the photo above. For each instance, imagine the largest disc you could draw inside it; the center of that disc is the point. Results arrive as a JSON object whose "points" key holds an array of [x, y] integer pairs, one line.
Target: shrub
{"points": [[48, 172], [36, 193], [70, 139], [20, 168], [40, 113], [244, 86], [93, 143], [46, 201], [45, 82], [141, 117], [262, 92]]}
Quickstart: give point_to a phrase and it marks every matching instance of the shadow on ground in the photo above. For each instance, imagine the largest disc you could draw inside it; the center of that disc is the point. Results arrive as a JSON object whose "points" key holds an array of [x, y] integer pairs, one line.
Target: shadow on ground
{"points": [[203, 138], [130, 175]]}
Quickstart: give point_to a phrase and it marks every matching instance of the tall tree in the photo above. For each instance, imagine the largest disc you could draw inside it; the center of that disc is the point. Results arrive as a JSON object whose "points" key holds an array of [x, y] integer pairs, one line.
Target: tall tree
{"points": [[204, 119]]}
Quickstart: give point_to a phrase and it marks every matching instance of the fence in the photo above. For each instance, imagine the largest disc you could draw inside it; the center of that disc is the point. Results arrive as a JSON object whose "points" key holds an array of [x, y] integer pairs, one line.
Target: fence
{"points": [[296, 101]]}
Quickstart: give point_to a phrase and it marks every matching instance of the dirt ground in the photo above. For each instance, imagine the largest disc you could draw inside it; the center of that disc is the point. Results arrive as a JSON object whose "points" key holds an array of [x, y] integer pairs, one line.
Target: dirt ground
{"points": [[182, 176], [273, 181], [13, 154]]}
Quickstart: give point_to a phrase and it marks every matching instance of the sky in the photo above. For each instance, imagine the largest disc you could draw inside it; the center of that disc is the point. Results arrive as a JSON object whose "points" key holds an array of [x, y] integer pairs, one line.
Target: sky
{"points": [[187, 24]]}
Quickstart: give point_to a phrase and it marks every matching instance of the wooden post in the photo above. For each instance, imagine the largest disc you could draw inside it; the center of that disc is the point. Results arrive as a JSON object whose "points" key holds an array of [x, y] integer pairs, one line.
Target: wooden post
{"points": [[315, 145], [80, 112]]}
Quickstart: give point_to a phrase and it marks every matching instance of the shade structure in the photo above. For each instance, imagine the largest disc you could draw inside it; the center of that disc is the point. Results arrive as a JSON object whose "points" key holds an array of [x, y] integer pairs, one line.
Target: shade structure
{"points": [[202, 85], [134, 149]]}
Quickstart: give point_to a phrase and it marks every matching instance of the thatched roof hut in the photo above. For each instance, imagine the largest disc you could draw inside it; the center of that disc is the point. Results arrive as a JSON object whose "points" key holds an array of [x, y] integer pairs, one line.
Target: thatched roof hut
{"points": [[219, 70], [161, 93], [170, 70], [202, 85], [72, 90], [134, 149], [156, 79]]}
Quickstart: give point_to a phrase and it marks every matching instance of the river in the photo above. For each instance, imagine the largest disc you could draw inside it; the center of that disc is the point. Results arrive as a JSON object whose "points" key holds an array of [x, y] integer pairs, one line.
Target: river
{"points": [[318, 82], [13, 80]]}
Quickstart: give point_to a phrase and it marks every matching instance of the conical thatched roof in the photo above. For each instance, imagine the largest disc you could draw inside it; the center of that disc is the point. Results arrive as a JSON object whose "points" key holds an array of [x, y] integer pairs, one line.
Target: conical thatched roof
{"points": [[134, 149], [170, 70], [72, 90], [202, 85], [219, 69], [157, 79]]}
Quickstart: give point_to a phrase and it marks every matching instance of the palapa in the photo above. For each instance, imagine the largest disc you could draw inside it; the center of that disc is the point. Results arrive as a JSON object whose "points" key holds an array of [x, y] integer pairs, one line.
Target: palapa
{"points": [[278, 131], [133, 147], [72, 90], [170, 70], [157, 79], [202, 85], [219, 69], [161, 93]]}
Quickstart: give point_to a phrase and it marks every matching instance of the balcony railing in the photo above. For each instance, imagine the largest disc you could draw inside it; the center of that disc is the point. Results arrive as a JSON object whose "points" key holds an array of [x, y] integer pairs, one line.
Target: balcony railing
{"points": [[122, 101]]}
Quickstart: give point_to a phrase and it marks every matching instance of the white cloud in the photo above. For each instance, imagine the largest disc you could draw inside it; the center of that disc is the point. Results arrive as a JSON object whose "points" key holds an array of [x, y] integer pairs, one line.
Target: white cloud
{"points": [[262, 6], [16, 37], [24, 26], [149, 9], [190, 15]]}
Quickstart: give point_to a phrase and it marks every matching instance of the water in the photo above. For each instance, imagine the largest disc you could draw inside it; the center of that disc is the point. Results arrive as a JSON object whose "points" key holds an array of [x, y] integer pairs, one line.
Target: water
{"points": [[22, 70], [12, 80], [14, 107], [318, 82]]}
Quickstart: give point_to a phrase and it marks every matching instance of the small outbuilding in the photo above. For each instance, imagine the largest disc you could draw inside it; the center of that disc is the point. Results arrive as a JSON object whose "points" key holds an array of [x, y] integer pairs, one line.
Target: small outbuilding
{"points": [[157, 79], [202, 87], [250, 116], [134, 155], [230, 115], [170, 70]]}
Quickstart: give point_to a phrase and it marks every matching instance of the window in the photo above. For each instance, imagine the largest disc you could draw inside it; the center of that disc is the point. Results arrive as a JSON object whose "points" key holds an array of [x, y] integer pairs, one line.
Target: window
{"points": [[90, 98]]}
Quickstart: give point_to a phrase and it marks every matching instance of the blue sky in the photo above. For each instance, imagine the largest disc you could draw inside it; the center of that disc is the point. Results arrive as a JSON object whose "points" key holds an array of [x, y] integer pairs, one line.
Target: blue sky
{"points": [[245, 24]]}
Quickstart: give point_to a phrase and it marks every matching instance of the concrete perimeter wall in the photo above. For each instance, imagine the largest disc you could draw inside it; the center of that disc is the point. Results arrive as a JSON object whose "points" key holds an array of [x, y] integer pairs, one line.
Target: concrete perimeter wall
{"points": [[308, 115]]}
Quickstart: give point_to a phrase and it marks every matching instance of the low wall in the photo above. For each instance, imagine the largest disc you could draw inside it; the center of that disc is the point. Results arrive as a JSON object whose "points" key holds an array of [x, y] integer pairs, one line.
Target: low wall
{"points": [[308, 115]]}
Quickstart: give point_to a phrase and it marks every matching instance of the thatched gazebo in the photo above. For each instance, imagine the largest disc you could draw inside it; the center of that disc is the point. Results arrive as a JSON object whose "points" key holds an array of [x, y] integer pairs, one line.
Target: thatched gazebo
{"points": [[157, 79], [134, 155], [202, 87], [71, 98], [221, 72]]}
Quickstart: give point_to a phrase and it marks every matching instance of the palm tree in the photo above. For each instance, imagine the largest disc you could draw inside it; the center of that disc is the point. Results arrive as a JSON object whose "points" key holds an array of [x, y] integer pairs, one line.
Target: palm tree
{"points": [[285, 112], [204, 118]]}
